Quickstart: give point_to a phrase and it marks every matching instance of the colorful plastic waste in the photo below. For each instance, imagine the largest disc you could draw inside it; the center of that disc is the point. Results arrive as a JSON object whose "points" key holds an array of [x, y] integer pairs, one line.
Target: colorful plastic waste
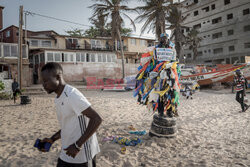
{"points": [[127, 142], [140, 133]]}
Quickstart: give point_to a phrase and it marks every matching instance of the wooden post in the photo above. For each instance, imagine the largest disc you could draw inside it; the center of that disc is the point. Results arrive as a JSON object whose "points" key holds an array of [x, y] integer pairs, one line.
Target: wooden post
{"points": [[20, 42]]}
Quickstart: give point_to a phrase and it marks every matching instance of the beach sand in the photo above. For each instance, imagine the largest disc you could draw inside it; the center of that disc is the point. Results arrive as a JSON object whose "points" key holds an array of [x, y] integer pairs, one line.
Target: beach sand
{"points": [[211, 132]]}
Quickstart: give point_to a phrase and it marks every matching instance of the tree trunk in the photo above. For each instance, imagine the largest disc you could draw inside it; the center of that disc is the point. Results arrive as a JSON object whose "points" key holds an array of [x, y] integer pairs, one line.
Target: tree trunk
{"points": [[121, 45]]}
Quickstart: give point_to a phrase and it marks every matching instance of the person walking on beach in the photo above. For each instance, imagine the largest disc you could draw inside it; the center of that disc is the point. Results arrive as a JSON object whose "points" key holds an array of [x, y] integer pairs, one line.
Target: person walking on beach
{"points": [[77, 119], [239, 82], [15, 89]]}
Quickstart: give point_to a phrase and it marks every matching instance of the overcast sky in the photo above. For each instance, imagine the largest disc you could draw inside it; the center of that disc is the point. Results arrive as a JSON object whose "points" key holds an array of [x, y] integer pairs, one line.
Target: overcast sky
{"points": [[72, 10]]}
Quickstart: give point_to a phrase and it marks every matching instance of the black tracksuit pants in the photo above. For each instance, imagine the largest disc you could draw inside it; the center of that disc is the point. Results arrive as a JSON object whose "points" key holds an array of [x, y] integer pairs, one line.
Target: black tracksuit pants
{"points": [[240, 99]]}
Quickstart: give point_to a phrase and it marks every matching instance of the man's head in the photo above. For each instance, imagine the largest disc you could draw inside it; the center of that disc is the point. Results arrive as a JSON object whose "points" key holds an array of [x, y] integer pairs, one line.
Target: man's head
{"points": [[51, 76], [238, 73], [163, 37]]}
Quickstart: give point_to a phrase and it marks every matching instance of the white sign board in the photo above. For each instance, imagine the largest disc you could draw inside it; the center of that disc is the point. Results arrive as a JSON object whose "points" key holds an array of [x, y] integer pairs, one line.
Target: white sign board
{"points": [[165, 54]]}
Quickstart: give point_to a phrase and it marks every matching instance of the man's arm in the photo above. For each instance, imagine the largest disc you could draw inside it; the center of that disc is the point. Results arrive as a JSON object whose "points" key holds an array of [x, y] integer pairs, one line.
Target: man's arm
{"points": [[56, 136], [94, 122], [52, 139]]}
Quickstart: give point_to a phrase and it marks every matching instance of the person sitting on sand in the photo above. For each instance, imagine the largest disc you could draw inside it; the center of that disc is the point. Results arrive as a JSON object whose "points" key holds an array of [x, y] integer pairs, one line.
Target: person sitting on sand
{"points": [[239, 82], [15, 89], [78, 120]]}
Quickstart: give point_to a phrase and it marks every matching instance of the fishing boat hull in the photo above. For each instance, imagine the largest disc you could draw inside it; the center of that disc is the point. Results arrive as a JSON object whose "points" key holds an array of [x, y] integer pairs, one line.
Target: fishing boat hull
{"points": [[222, 75]]}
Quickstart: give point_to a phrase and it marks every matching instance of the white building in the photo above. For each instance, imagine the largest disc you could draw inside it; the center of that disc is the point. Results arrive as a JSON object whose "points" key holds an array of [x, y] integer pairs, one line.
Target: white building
{"points": [[224, 26]]}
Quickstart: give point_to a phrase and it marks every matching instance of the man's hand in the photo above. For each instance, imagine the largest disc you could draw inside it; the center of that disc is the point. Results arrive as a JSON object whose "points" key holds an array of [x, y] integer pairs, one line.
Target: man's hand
{"points": [[71, 151], [49, 140]]}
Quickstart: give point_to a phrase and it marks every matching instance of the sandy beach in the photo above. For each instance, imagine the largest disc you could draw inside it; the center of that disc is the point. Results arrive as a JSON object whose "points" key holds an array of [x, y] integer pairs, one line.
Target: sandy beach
{"points": [[211, 132]]}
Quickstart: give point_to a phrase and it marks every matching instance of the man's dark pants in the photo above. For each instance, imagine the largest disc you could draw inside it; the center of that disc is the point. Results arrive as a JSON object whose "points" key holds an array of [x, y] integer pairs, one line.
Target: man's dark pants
{"points": [[61, 163], [240, 99], [17, 91]]}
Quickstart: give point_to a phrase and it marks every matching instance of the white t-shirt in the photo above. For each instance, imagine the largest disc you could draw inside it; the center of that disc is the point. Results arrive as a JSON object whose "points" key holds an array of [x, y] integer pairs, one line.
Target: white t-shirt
{"points": [[69, 107]]}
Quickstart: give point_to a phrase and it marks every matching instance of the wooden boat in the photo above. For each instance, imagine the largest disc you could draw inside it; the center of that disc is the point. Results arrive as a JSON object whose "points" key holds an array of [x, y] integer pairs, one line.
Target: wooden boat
{"points": [[221, 75]]}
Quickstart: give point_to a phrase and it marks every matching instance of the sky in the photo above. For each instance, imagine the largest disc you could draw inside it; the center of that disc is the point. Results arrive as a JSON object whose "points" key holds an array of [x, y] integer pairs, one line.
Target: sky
{"points": [[71, 10]]}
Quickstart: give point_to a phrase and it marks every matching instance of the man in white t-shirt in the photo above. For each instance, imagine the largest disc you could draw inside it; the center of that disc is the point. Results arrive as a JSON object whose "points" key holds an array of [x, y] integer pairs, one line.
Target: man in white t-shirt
{"points": [[77, 119]]}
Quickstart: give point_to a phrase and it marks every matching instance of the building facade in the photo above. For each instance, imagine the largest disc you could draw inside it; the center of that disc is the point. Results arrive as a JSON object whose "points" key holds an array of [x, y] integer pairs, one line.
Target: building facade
{"points": [[224, 27]]}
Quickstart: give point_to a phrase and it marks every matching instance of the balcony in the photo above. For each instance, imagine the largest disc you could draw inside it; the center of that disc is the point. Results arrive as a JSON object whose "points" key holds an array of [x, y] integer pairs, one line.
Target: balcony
{"points": [[76, 46]]}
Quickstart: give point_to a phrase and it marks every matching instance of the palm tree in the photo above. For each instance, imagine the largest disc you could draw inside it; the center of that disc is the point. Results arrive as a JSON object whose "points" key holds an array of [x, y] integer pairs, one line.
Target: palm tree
{"points": [[114, 9], [194, 41], [175, 19], [154, 13], [99, 21]]}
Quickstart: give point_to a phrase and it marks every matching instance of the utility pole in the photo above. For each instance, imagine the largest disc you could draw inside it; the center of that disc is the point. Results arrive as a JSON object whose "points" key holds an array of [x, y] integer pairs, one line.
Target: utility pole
{"points": [[20, 42], [25, 28]]}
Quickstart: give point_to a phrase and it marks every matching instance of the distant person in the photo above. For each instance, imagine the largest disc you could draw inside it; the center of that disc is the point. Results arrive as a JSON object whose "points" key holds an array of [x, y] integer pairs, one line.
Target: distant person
{"points": [[78, 120], [15, 89], [239, 82], [188, 92]]}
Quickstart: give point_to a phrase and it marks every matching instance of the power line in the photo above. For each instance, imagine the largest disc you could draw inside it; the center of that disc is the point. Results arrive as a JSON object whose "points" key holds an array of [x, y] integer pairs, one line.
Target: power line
{"points": [[63, 20], [67, 21]]}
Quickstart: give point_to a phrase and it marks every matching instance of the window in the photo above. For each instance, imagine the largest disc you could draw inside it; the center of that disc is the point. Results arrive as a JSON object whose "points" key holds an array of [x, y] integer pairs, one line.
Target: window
{"points": [[7, 34], [226, 2], [189, 55], [113, 58], [17, 33], [6, 50], [187, 29], [104, 58], [46, 43], [196, 1], [230, 16], [246, 28], [247, 45], [78, 57], [246, 11], [108, 58], [204, 36], [25, 53], [231, 48], [65, 57], [199, 53], [34, 43], [133, 41], [13, 51], [57, 57], [197, 26], [73, 41], [217, 35], [50, 57], [82, 57], [72, 57], [230, 32], [182, 31], [213, 6], [217, 20], [42, 58], [99, 57], [218, 50], [96, 43], [196, 13], [92, 57], [143, 43], [206, 9]]}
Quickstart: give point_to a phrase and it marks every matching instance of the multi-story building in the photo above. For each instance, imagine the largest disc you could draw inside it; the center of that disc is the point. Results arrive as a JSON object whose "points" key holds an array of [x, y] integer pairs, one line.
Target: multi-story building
{"points": [[224, 27]]}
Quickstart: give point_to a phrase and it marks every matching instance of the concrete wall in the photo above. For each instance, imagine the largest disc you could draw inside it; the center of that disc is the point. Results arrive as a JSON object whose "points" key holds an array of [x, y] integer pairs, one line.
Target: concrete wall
{"points": [[138, 47], [79, 71]]}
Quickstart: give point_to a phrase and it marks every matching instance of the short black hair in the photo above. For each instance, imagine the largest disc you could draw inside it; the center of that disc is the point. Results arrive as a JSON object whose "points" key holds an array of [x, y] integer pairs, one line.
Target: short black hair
{"points": [[52, 67]]}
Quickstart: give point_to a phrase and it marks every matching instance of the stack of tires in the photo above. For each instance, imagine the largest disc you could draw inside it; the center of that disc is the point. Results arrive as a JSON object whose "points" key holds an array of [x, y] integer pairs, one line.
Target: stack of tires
{"points": [[163, 126], [25, 99]]}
